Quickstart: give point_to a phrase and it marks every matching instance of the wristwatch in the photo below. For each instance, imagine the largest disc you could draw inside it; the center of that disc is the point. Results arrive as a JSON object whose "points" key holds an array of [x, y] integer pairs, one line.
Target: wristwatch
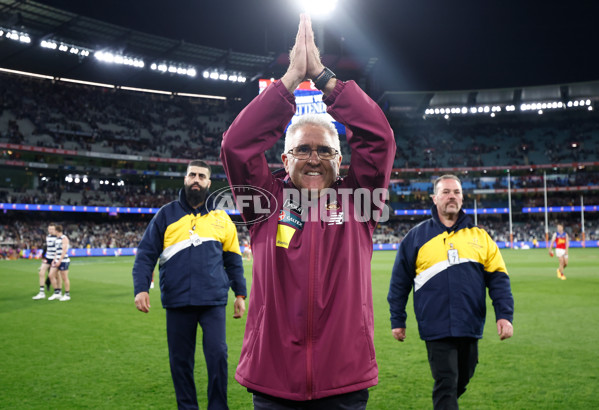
{"points": [[323, 78]]}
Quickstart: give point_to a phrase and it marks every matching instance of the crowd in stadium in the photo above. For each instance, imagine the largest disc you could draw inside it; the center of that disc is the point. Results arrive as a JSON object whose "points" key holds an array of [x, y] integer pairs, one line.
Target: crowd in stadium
{"points": [[100, 120], [29, 233], [47, 114]]}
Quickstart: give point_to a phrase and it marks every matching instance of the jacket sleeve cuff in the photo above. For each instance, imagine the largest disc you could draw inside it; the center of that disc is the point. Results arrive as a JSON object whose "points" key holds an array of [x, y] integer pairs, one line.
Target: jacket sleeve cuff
{"points": [[280, 87], [336, 91]]}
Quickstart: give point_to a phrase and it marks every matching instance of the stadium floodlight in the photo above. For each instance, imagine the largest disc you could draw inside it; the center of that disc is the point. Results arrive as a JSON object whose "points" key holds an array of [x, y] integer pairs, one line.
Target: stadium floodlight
{"points": [[214, 75], [191, 72], [49, 44], [16, 36], [206, 74], [318, 8], [108, 57]]}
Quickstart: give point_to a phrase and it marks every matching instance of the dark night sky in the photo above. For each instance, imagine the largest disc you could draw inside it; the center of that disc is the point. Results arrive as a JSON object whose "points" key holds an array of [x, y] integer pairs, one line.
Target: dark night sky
{"points": [[421, 45]]}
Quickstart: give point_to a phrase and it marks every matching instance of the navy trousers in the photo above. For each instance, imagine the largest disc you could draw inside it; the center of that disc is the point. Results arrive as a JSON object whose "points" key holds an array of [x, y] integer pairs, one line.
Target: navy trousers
{"points": [[453, 361], [181, 330]]}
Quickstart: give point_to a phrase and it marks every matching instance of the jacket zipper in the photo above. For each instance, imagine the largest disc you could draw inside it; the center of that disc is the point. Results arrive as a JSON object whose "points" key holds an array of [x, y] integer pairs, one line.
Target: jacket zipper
{"points": [[310, 316]]}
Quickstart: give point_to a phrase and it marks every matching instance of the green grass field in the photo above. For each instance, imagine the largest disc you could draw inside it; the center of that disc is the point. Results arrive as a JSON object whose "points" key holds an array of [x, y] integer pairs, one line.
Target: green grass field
{"points": [[97, 351]]}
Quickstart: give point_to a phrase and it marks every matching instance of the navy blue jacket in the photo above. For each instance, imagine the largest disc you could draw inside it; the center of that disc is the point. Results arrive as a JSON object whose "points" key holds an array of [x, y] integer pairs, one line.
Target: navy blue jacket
{"points": [[199, 255], [449, 293]]}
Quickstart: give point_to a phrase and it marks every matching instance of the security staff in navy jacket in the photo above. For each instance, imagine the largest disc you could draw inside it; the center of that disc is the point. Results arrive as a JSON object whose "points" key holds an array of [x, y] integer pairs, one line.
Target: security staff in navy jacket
{"points": [[199, 261], [450, 263]]}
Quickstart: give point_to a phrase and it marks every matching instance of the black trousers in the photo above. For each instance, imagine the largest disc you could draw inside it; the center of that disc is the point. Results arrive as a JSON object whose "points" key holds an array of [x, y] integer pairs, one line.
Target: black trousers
{"points": [[181, 331], [349, 401], [452, 361]]}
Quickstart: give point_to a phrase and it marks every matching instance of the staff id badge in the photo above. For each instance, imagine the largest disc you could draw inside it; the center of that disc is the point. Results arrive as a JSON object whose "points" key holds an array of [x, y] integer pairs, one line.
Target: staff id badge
{"points": [[195, 239], [452, 256]]}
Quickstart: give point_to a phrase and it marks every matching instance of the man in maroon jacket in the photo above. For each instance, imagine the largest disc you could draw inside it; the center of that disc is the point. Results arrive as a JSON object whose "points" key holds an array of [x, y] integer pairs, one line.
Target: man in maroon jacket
{"points": [[309, 335]]}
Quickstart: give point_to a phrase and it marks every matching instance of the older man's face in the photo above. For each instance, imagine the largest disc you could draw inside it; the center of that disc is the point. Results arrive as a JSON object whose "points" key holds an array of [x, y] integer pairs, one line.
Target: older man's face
{"points": [[312, 173], [448, 198]]}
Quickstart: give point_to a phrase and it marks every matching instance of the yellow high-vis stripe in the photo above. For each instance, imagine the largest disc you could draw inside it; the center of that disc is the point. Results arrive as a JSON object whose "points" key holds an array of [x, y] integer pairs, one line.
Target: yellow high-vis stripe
{"points": [[472, 245], [216, 225]]}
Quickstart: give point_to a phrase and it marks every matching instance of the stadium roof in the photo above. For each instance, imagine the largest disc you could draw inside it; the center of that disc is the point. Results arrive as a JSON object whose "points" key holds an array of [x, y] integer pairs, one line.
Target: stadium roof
{"points": [[43, 22], [392, 45]]}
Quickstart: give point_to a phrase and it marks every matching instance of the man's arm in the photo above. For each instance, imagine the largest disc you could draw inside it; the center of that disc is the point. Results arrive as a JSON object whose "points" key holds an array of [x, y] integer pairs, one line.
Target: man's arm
{"points": [[500, 292], [148, 252], [369, 135], [234, 267], [402, 279], [262, 122], [551, 245]]}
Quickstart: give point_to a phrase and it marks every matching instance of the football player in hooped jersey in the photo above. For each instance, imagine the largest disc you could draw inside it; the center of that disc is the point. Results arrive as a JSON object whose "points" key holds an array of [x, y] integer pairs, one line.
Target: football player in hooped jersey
{"points": [[562, 243], [48, 257], [60, 267]]}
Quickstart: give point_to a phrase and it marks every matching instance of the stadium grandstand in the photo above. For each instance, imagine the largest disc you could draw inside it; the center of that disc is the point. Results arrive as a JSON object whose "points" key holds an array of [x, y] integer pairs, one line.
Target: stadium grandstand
{"points": [[101, 149]]}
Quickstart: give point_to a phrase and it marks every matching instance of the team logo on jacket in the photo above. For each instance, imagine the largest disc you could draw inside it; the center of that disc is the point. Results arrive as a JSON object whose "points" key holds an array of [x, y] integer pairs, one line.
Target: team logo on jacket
{"points": [[474, 243]]}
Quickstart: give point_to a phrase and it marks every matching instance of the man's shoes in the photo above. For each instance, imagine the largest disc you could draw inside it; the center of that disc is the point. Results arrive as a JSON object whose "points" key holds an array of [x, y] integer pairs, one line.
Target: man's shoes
{"points": [[65, 298], [55, 296], [39, 296], [563, 277], [559, 274]]}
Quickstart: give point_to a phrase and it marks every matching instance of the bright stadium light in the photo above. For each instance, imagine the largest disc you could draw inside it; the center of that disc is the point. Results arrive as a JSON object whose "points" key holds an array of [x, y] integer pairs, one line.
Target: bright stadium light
{"points": [[49, 44], [318, 8]]}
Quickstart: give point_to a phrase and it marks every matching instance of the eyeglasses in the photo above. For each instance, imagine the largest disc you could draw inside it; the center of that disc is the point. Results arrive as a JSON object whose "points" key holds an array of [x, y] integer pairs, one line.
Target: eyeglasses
{"points": [[303, 152]]}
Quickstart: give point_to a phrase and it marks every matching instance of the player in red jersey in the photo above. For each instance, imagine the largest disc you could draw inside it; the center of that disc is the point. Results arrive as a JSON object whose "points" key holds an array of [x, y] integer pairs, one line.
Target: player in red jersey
{"points": [[562, 243]]}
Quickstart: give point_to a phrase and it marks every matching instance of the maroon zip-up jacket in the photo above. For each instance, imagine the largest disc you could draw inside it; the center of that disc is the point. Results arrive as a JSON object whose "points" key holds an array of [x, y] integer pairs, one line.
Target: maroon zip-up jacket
{"points": [[309, 331]]}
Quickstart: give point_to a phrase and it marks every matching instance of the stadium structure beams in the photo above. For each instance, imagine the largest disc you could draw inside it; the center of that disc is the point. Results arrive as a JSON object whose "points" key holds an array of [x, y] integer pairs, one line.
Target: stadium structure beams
{"points": [[45, 22]]}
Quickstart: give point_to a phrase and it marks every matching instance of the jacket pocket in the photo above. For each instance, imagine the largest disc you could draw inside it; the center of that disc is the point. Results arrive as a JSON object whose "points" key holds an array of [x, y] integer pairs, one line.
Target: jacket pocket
{"points": [[367, 324], [256, 332]]}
